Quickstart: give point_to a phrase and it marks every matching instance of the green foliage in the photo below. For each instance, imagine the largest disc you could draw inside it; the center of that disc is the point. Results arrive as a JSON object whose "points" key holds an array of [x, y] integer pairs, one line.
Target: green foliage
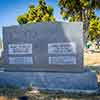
{"points": [[78, 10], [11, 92], [30, 88], [81, 10], [39, 13], [94, 29], [22, 19]]}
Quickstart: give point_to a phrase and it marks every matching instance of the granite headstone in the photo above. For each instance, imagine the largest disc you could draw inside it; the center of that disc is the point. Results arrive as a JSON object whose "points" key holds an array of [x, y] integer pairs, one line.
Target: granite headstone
{"points": [[48, 56], [44, 46]]}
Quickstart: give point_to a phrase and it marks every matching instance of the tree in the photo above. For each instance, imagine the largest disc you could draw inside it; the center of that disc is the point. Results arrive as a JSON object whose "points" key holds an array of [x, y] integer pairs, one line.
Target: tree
{"points": [[22, 19], [94, 29], [1, 44], [39, 13], [79, 10]]}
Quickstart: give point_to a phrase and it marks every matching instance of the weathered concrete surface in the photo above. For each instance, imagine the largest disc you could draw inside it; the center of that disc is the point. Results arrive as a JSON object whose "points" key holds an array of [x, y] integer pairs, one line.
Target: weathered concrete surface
{"points": [[67, 82]]}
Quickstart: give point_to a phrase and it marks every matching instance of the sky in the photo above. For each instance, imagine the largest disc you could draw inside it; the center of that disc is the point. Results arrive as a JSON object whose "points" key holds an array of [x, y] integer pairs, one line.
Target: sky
{"points": [[10, 9]]}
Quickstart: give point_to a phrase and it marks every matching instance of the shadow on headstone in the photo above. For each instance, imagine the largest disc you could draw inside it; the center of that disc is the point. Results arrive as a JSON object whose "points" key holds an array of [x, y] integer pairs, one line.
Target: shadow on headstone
{"points": [[23, 98]]}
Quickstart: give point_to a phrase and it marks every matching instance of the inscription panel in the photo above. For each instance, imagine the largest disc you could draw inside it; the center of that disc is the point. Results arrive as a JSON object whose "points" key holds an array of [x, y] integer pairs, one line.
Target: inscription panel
{"points": [[61, 48], [19, 49], [62, 53], [20, 60], [62, 60]]}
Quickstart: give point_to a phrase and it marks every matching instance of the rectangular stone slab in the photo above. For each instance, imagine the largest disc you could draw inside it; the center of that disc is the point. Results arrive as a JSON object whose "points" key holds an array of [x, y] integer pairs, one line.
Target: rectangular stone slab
{"points": [[44, 46], [66, 82]]}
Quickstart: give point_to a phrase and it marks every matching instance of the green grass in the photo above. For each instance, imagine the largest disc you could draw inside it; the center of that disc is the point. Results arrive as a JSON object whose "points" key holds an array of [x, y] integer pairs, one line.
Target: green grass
{"points": [[12, 92]]}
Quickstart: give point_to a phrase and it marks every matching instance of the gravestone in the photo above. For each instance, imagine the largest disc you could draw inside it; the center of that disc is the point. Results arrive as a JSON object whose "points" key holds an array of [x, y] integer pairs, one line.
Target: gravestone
{"points": [[47, 55], [44, 46]]}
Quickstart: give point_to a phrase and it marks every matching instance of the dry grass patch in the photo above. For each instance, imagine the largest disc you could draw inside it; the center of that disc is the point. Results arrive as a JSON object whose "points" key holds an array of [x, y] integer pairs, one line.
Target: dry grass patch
{"points": [[91, 58]]}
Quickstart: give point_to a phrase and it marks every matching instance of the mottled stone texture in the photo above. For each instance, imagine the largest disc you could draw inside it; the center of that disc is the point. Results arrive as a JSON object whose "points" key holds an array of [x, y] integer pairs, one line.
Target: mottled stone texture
{"points": [[67, 82], [40, 34]]}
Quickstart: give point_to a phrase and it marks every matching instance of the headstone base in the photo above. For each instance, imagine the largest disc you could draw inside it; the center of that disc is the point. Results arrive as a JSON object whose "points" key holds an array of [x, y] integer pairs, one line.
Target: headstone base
{"points": [[85, 82]]}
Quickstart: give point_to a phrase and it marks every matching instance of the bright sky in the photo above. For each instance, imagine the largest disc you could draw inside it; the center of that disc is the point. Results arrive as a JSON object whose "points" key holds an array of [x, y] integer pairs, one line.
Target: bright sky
{"points": [[10, 9]]}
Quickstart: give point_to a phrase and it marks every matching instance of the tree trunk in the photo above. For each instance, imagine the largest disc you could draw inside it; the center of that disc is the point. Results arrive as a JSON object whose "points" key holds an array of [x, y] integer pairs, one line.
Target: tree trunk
{"points": [[81, 16]]}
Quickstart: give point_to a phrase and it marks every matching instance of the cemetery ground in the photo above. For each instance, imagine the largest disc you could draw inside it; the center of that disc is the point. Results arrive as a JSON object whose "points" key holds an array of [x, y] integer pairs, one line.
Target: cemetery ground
{"points": [[91, 60]]}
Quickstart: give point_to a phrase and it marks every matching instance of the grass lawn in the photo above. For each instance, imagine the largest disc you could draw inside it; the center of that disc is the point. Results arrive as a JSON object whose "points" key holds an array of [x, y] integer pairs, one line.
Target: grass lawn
{"points": [[10, 94]]}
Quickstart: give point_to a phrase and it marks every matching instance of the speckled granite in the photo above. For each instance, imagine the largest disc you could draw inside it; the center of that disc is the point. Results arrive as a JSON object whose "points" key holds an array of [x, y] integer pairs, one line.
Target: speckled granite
{"points": [[42, 34], [66, 82]]}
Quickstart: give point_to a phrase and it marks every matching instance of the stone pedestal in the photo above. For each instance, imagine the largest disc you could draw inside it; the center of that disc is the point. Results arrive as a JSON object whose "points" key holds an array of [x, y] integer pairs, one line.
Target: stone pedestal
{"points": [[85, 82]]}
